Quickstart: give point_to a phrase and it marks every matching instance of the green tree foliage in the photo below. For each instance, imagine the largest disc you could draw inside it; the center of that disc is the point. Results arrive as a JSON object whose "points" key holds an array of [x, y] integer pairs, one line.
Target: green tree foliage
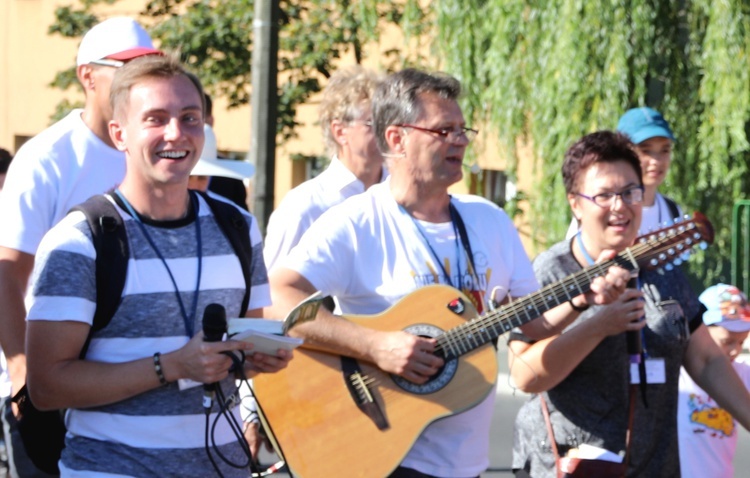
{"points": [[215, 37], [546, 73]]}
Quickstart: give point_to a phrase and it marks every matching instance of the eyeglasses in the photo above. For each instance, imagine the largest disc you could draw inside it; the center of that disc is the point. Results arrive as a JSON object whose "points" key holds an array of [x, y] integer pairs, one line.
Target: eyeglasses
{"points": [[367, 123], [451, 135], [633, 195], [107, 62]]}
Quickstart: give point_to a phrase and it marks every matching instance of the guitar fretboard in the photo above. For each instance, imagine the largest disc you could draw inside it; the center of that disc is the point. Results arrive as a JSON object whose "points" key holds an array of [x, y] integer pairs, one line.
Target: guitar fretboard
{"points": [[486, 328]]}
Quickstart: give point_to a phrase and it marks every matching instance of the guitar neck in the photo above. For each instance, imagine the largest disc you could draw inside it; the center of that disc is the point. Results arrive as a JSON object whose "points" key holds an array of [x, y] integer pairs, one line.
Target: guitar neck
{"points": [[486, 328]]}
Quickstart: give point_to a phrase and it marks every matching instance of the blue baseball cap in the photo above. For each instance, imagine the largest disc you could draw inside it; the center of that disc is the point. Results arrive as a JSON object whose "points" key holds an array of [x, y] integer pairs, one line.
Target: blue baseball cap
{"points": [[726, 307], [640, 124]]}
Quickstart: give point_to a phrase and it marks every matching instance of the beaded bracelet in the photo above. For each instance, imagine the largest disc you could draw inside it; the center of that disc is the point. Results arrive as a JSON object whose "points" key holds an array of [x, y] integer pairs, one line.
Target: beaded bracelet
{"points": [[158, 369], [578, 308]]}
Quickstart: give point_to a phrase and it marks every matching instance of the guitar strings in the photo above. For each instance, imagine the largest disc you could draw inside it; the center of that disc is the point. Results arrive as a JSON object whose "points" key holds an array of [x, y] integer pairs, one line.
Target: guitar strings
{"points": [[463, 338]]}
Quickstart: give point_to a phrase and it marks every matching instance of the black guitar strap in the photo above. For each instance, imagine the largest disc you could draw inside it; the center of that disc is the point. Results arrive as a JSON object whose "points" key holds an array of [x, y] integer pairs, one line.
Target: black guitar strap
{"points": [[459, 222], [467, 248]]}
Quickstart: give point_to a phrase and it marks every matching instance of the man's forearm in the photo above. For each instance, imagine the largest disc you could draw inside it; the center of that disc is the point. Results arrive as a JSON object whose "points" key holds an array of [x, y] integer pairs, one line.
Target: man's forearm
{"points": [[15, 269]]}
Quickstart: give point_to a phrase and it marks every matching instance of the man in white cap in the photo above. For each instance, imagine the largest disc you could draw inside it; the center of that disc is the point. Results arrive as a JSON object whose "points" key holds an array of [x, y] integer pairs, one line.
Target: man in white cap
{"points": [[708, 433], [60, 167]]}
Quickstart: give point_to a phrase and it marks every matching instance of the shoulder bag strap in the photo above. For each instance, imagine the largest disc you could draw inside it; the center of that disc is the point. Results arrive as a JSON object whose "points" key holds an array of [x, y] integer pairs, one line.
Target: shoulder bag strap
{"points": [[552, 442]]}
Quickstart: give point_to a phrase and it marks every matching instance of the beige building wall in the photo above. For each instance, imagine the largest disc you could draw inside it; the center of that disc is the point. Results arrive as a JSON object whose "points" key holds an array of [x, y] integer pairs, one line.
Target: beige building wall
{"points": [[30, 58]]}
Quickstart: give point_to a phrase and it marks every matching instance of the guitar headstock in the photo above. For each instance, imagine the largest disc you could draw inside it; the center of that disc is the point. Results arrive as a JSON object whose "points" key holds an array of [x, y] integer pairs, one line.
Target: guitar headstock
{"points": [[672, 245]]}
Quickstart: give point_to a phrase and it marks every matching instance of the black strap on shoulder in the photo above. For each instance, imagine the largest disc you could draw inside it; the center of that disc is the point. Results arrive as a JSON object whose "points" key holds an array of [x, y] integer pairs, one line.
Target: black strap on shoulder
{"points": [[237, 230], [674, 211], [112, 252]]}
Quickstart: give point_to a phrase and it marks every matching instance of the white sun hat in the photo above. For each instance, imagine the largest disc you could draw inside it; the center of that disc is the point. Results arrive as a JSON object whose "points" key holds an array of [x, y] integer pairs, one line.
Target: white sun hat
{"points": [[210, 165]]}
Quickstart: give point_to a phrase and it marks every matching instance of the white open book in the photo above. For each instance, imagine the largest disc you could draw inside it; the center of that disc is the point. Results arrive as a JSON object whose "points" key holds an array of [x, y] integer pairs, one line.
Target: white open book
{"points": [[268, 335]]}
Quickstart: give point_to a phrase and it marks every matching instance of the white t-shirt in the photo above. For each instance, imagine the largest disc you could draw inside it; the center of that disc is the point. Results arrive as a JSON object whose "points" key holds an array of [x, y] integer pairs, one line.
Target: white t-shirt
{"points": [[654, 217], [369, 253], [707, 433], [60, 167], [304, 204]]}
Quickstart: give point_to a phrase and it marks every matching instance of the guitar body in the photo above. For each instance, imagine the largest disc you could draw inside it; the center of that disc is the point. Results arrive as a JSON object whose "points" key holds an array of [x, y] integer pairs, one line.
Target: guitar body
{"points": [[313, 412]]}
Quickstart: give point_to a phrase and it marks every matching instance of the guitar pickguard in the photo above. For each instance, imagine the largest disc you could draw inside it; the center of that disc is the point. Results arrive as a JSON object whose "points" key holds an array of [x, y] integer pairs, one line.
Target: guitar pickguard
{"points": [[437, 381]]}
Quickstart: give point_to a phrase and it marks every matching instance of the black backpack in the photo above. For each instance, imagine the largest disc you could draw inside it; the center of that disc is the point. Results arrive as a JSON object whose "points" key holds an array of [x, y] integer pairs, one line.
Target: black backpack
{"points": [[43, 433]]}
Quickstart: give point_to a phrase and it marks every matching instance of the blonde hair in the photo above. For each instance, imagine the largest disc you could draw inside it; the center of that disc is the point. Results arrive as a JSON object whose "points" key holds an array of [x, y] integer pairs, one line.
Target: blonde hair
{"points": [[348, 90]]}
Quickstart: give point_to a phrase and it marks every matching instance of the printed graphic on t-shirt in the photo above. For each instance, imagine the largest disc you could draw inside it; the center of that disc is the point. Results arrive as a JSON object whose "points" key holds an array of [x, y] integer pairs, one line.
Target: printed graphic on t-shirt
{"points": [[709, 417], [472, 286]]}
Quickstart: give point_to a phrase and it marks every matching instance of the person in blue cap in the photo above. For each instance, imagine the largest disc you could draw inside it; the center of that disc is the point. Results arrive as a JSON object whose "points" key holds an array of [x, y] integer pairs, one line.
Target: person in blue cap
{"points": [[653, 140], [708, 433]]}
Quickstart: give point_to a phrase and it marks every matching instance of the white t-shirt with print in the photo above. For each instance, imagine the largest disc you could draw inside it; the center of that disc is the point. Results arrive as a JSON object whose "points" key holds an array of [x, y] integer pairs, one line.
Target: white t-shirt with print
{"points": [[707, 433], [369, 253]]}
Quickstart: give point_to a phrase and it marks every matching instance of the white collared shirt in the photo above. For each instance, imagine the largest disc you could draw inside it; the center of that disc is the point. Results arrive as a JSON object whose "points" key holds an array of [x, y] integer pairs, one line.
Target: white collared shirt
{"points": [[304, 204]]}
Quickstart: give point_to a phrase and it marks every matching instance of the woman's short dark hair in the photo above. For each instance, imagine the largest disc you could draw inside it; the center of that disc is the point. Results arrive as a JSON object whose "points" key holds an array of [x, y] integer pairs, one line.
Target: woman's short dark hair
{"points": [[598, 147]]}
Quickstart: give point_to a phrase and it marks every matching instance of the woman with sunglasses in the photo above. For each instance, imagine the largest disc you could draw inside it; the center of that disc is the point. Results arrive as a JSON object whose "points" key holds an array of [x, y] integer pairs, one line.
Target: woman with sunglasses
{"points": [[584, 374]]}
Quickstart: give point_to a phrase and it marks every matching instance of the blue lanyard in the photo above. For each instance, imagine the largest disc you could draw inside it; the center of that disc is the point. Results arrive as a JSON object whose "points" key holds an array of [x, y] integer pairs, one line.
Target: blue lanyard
{"points": [[585, 253], [434, 254], [188, 320]]}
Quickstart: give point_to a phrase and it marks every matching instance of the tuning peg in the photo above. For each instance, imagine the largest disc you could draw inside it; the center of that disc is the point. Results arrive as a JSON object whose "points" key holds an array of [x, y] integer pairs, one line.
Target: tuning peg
{"points": [[677, 261], [685, 255], [668, 266], [703, 245]]}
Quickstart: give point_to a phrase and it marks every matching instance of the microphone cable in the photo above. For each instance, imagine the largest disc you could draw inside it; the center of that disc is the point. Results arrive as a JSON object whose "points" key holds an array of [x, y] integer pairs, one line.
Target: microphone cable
{"points": [[225, 410]]}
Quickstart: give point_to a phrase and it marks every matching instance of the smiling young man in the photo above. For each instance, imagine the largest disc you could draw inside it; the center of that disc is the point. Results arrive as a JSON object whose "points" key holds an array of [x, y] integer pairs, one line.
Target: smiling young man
{"points": [[401, 235], [60, 167], [127, 414]]}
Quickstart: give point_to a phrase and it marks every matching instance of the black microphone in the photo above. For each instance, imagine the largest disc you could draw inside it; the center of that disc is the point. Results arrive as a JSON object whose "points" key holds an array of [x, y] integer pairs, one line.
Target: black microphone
{"points": [[635, 346], [214, 328], [635, 349]]}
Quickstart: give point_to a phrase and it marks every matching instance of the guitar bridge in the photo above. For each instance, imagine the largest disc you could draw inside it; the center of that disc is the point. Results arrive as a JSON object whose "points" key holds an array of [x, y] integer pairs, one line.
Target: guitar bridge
{"points": [[358, 385]]}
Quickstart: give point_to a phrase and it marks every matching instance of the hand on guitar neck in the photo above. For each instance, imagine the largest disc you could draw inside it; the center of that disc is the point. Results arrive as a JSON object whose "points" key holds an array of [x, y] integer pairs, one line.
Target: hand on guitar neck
{"points": [[604, 289]]}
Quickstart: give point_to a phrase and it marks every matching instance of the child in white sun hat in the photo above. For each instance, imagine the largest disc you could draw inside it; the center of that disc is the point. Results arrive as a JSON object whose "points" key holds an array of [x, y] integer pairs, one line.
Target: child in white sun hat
{"points": [[708, 433]]}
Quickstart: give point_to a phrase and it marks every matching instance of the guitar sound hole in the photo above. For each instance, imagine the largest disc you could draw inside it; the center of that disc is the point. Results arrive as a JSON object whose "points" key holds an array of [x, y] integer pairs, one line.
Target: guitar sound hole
{"points": [[443, 376], [435, 383]]}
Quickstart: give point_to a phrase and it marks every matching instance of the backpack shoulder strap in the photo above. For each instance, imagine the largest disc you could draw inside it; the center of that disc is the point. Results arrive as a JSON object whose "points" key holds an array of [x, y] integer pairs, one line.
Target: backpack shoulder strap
{"points": [[112, 252], [674, 211], [237, 230]]}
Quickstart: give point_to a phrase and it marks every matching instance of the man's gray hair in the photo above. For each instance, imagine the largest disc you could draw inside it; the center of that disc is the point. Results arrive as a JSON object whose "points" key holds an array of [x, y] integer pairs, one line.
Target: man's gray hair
{"points": [[397, 98]]}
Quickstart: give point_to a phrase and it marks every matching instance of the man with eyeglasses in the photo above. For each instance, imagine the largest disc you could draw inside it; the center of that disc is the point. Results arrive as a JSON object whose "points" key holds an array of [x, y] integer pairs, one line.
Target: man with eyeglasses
{"points": [[404, 234], [356, 163], [60, 167]]}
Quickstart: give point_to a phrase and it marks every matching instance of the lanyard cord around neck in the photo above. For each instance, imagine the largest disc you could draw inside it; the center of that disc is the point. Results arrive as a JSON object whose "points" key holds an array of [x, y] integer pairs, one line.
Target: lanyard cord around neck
{"points": [[421, 233], [589, 259], [188, 320], [459, 232]]}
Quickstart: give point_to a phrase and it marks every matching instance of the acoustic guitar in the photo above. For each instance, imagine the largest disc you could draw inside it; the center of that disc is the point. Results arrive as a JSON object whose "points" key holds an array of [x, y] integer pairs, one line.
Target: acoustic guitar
{"points": [[335, 416]]}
